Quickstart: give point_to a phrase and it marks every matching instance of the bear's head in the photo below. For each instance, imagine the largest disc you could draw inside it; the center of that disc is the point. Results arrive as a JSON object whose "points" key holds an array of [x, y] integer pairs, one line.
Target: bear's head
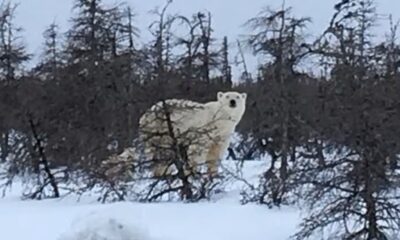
{"points": [[233, 103]]}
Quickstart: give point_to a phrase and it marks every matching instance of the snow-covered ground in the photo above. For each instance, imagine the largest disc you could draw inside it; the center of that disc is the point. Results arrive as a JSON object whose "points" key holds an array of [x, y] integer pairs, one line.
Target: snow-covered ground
{"points": [[221, 219]]}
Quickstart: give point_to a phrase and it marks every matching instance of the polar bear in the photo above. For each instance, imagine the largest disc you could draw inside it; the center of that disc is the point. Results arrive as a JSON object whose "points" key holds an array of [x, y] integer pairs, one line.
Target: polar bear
{"points": [[203, 128]]}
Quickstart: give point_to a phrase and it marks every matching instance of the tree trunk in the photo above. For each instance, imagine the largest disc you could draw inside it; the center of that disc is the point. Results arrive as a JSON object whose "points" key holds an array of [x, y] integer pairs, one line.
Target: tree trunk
{"points": [[4, 147], [44, 161]]}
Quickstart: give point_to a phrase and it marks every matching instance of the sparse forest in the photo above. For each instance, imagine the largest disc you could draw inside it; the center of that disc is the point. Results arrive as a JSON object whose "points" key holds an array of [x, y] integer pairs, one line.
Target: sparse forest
{"points": [[332, 134]]}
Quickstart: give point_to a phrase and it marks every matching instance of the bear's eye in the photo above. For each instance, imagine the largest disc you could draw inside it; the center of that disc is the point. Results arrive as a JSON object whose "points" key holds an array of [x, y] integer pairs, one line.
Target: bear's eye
{"points": [[227, 97], [237, 97]]}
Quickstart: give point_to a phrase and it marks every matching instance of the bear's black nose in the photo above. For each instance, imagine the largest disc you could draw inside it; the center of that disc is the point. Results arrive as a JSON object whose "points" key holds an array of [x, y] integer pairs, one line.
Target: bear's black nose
{"points": [[232, 103]]}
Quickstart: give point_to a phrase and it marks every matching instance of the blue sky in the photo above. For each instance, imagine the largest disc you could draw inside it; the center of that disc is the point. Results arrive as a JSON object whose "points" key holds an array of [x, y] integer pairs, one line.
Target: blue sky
{"points": [[35, 15]]}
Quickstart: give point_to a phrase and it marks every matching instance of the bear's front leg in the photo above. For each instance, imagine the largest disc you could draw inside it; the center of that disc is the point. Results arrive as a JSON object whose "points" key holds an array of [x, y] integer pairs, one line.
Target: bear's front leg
{"points": [[214, 156], [212, 160], [195, 155]]}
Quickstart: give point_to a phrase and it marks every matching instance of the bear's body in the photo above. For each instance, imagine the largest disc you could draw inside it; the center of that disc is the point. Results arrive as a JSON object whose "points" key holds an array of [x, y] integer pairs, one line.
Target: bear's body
{"points": [[205, 129]]}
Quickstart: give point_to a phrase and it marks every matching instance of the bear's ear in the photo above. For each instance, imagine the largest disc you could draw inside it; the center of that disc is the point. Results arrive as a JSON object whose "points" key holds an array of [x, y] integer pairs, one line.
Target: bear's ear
{"points": [[220, 95], [244, 95]]}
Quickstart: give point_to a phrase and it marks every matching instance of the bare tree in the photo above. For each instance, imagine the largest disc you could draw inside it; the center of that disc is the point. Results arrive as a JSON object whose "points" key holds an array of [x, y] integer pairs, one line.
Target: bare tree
{"points": [[13, 55], [191, 45], [356, 186], [161, 43], [240, 60], [226, 68], [278, 38], [52, 56]]}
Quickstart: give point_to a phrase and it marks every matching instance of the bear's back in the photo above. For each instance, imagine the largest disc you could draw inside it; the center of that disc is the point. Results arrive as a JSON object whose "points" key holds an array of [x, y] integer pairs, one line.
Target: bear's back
{"points": [[181, 113]]}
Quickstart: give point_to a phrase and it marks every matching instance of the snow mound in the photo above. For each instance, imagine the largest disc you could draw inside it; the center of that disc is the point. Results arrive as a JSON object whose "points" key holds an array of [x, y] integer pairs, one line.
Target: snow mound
{"points": [[106, 225]]}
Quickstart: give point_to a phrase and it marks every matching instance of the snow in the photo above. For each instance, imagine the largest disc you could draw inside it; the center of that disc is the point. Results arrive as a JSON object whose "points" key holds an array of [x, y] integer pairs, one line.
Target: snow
{"points": [[108, 225], [221, 218]]}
